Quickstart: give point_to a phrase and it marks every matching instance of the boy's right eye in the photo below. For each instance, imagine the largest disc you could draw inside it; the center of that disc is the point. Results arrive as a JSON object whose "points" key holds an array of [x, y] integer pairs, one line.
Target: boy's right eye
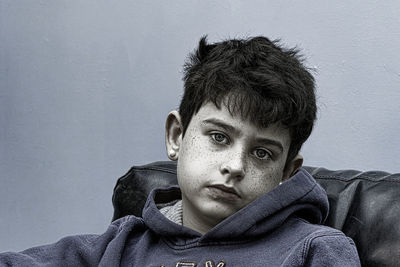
{"points": [[220, 138]]}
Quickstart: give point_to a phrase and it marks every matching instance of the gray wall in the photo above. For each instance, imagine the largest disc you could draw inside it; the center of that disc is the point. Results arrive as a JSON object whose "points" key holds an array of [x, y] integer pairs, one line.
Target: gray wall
{"points": [[85, 87]]}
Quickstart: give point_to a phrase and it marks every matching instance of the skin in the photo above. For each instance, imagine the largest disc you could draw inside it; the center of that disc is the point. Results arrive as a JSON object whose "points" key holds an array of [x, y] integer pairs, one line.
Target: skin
{"points": [[225, 163]]}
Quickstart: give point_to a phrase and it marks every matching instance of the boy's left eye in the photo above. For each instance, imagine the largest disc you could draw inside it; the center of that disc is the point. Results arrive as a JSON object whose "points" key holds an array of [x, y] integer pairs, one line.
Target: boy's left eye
{"points": [[262, 153]]}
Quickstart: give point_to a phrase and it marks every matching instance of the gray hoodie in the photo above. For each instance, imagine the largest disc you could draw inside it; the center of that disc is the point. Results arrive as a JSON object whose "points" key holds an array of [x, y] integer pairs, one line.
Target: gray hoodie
{"points": [[281, 228]]}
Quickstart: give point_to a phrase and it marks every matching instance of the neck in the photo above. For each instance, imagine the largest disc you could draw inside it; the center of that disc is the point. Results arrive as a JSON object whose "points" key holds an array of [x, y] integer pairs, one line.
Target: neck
{"points": [[194, 220]]}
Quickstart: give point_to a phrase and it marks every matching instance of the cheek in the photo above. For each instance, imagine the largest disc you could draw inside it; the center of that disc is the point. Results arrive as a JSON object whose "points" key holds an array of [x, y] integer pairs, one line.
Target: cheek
{"points": [[191, 143], [264, 181], [196, 151], [192, 163]]}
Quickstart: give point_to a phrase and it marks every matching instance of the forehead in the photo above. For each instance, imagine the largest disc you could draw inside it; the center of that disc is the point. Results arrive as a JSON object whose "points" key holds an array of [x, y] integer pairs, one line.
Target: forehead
{"points": [[209, 113]]}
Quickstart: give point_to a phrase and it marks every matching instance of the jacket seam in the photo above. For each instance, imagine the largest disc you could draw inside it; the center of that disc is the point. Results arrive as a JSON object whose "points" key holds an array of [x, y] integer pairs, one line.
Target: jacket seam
{"points": [[196, 244], [155, 169], [327, 177], [307, 244]]}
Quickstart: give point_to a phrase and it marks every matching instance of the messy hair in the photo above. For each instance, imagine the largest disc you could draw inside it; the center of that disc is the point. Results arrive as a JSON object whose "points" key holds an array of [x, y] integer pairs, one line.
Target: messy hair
{"points": [[256, 79]]}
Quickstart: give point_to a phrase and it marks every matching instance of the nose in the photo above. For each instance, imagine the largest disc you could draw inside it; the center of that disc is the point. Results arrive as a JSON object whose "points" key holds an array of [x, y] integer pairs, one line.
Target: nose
{"points": [[234, 165]]}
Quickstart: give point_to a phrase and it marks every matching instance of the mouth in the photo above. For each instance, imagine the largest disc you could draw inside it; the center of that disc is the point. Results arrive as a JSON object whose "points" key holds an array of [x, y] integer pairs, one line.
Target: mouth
{"points": [[222, 191]]}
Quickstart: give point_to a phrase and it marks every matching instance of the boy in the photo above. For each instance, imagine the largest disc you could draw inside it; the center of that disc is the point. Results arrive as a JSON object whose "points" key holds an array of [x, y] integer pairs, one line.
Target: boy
{"points": [[244, 200]]}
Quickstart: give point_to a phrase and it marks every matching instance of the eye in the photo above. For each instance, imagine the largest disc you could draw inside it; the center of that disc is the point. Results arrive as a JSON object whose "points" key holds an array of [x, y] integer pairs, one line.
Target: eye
{"points": [[262, 153], [220, 138]]}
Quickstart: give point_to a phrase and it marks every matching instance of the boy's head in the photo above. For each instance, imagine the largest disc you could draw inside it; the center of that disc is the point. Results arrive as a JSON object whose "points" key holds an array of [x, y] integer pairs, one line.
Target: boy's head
{"points": [[247, 108], [260, 80]]}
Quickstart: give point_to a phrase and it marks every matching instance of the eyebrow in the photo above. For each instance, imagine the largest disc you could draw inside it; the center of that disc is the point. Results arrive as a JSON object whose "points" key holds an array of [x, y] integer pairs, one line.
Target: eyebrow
{"points": [[220, 123], [231, 129]]}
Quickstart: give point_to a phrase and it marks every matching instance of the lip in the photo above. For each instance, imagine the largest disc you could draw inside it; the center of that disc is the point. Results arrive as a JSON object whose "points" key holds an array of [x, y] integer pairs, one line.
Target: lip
{"points": [[223, 191]]}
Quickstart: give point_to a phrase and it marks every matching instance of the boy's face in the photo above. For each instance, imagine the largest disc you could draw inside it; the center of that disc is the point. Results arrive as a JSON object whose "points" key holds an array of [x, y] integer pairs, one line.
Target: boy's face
{"points": [[224, 162]]}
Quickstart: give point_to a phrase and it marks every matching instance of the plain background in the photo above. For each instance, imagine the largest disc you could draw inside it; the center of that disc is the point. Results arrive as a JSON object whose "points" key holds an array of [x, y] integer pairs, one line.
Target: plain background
{"points": [[85, 87]]}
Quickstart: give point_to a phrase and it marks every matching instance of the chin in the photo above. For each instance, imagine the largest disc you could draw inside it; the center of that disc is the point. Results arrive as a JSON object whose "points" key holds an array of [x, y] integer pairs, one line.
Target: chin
{"points": [[218, 211]]}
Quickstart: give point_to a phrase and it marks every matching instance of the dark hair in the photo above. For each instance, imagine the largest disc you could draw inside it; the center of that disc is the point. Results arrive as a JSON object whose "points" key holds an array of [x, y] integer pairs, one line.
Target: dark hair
{"points": [[254, 78]]}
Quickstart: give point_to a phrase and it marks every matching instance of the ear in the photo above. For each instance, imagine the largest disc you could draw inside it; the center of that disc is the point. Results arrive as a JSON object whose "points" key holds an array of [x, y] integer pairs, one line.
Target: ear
{"points": [[173, 134], [292, 167]]}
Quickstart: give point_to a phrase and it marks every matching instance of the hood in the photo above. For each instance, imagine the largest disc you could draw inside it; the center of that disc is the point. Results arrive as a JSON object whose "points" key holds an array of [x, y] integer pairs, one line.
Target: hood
{"points": [[299, 196]]}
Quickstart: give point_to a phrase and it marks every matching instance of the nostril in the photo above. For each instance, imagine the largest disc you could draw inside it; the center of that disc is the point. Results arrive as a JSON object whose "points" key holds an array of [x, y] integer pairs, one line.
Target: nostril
{"points": [[236, 172], [239, 174], [225, 169]]}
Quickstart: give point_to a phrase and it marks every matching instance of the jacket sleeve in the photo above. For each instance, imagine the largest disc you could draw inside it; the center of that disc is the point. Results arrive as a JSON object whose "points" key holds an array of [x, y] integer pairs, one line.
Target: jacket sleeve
{"points": [[331, 250], [80, 250], [69, 251]]}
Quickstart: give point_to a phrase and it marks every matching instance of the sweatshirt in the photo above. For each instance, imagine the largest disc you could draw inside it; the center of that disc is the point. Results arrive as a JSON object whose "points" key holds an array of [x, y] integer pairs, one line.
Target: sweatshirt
{"points": [[280, 228]]}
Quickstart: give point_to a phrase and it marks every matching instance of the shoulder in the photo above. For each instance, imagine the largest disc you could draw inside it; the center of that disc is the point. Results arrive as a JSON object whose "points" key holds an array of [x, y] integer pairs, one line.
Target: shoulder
{"points": [[318, 245], [326, 246], [330, 249]]}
